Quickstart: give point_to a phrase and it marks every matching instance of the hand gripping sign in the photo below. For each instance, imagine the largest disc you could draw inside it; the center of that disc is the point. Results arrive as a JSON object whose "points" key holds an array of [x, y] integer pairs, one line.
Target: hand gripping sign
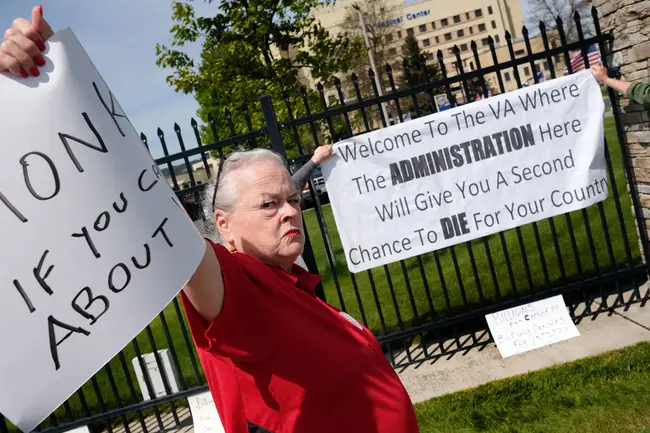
{"points": [[94, 242]]}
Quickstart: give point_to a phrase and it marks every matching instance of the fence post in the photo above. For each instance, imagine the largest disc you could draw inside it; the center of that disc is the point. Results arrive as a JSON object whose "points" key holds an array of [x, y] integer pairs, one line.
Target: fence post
{"points": [[273, 130]]}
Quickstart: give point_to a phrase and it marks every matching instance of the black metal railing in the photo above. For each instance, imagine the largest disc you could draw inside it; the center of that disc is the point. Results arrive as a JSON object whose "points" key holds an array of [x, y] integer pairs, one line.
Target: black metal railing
{"points": [[419, 308]]}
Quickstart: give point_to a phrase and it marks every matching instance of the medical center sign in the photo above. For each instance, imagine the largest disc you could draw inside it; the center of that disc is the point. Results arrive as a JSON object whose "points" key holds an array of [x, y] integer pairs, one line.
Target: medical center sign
{"points": [[469, 172]]}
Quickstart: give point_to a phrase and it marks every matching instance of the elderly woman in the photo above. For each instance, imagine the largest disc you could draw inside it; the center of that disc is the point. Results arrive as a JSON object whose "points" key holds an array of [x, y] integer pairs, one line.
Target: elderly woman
{"points": [[277, 359]]}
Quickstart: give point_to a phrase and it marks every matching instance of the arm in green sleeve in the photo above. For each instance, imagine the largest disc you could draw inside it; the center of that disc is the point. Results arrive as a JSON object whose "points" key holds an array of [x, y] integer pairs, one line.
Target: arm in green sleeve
{"points": [[639, 93]]}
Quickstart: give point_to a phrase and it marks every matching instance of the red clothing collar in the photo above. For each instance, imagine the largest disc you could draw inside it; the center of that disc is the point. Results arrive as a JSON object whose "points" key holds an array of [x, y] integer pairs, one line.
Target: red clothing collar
{"points": [[298, 276]]}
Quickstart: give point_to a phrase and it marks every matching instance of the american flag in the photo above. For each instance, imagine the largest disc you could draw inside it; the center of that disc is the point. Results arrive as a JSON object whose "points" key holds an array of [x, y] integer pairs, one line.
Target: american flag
{"points": [[577, 62]]}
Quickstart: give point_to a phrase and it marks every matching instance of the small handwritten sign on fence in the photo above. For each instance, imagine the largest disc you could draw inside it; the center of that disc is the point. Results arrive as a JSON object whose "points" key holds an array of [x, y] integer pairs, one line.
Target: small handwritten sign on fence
{"points": [[204, 414], [94, 242], [531, 326]]}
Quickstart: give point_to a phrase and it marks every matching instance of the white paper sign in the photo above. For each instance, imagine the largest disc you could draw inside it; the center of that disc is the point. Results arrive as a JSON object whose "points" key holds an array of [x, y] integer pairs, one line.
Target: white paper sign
{"points": [[531, 326], [468, 172], [204, 414], [94, 244]]}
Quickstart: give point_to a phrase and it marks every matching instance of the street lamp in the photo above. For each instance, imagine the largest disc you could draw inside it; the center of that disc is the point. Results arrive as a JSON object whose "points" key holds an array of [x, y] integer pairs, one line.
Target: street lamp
{"points": [[372, 60]]}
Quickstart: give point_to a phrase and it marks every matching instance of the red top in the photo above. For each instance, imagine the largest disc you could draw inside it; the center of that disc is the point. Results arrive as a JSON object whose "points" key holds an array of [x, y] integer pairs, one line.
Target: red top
{"points": [[280, 359]]}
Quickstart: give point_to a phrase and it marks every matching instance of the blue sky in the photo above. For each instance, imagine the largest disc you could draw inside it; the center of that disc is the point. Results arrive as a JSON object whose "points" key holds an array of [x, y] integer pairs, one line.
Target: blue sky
{"points": [[120, 36]]}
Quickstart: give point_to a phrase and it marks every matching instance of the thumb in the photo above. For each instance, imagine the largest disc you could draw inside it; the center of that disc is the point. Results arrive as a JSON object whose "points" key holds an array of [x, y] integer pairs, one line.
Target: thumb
{"points": [[39, 23], [37, 17]]}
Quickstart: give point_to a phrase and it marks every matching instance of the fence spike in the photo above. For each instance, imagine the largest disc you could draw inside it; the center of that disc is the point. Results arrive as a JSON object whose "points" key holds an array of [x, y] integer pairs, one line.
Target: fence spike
{"points": [[320, 87], [508, 36], [337, 82], [456, 49], [176, 127], [524, 31], [576, 16], [473, 45], [193, 123], [161, 134], [371, 73], [542, 27], [354, 78], [389, 69], [594, 13]]}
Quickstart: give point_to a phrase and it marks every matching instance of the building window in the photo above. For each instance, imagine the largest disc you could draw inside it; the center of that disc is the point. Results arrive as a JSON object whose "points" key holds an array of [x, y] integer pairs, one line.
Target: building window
{"points": [[433, 25], [507, 76], [546, 65], [423, 28], [456, 19], [519, 53], [437, 40], [478, 13], [537, 69], [526, 71], [399, 34], [392, 51], [389, 37], [447, 36], [426, 43], [481, 27], [444, 22], [467, 16], [497, 40], [494, 24], [460, 33], [490, 10], [484, 41], [410, 32], [471, 30], [471, 66], [429, 56], [463, 47]]}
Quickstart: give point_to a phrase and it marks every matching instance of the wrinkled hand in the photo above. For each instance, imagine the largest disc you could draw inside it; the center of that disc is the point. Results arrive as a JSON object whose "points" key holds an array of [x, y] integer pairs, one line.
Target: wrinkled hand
{"points": [[599, 72], [322, 153], [20, 52]]}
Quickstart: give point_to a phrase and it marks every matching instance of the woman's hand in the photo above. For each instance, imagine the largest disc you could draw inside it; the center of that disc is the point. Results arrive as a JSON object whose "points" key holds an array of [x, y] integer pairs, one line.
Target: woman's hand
{"points": [[20, 52], [322, 153]]}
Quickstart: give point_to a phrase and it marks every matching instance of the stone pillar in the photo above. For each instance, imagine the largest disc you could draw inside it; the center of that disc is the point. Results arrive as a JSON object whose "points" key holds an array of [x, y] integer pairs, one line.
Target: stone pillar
{"points": [[629, 23]]}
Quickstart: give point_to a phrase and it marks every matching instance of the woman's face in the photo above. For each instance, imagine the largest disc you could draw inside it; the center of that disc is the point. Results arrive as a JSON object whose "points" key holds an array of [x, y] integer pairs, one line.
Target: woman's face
{"points": [[266, 221]]}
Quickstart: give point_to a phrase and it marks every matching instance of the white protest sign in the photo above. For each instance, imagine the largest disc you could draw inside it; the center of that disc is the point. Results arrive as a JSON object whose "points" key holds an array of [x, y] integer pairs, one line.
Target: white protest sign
{"points": [[94, 243], [531, 326], [204, 414], [468, 172]]}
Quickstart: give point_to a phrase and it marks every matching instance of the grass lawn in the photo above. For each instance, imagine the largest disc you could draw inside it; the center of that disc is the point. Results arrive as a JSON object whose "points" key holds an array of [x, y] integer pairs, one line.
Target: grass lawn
{"points": [[604, 394], [466, 285], [470, 284]]}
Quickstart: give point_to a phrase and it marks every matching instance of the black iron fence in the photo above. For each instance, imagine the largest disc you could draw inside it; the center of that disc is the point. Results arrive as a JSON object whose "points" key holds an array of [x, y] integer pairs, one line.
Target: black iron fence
{"points": [[420, 308]]}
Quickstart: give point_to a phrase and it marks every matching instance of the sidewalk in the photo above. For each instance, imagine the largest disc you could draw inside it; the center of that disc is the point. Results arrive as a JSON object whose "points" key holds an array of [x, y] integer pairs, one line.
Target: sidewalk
{"points": [[606, 332]]}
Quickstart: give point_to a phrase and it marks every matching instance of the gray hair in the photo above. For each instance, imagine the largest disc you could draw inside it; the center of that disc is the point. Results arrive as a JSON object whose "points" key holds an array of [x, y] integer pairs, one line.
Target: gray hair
{"points": [[227, 192]]}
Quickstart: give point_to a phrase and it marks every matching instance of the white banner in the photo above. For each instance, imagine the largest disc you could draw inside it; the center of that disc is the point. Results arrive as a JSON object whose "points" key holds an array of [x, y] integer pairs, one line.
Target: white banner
{"points": [[468, 172], [94, 243]]}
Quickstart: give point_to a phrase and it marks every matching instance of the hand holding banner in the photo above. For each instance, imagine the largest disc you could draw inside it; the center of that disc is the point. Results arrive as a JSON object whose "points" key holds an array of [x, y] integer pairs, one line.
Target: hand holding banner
{"points": [[94, 242], [469, 172]]}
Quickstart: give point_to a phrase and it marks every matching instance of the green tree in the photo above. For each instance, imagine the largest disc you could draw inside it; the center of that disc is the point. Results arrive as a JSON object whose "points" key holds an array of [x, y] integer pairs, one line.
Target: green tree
{"points": [[251, 48], [416, 72]]}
